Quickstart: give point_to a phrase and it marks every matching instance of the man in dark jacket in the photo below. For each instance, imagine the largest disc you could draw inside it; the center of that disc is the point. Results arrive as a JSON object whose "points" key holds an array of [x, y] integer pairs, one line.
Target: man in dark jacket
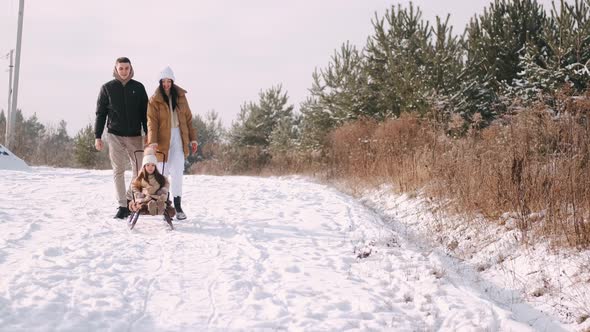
{"points": [[122, 105]]}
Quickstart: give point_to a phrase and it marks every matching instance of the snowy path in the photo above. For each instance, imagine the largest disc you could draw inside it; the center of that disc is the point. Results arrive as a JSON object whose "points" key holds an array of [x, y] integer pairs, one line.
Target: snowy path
{"points": [[255, 254]]}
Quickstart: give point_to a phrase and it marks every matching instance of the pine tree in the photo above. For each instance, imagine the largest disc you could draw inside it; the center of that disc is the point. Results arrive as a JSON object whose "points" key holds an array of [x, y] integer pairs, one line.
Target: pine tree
{"points": [[562, 61], [315, 124], [284, 136], [256, 121], [537, 77], [445, 63], [209, 131], [340, 89], [84, 151], [410, 64], [568, 45], [213, 127], [397, 63], [407, 66], [494, 43], [573, 40], [338, 94], [445, 59], [57, 147], [28, 136], [200, 127]]}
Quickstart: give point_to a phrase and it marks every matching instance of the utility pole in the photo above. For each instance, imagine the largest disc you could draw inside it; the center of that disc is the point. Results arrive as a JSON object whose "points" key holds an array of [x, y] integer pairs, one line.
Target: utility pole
{"points": [[19, 34], [8, 113]]}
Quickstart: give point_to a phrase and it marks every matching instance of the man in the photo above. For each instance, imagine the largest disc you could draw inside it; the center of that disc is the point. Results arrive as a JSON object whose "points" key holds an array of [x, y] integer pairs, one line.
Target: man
{"points": [[122, 105]]}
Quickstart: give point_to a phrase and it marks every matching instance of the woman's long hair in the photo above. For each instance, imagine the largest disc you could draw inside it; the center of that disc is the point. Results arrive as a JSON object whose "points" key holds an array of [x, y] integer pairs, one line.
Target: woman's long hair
{"points": [[173, 94], [143, 175]]}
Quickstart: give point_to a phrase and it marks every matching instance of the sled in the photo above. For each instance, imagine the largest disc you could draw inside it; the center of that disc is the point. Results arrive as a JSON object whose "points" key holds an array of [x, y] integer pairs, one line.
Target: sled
{"points": [[169, 210]]}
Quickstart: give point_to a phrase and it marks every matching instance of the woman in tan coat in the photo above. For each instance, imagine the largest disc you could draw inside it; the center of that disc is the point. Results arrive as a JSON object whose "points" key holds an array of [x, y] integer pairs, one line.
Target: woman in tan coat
{"points": [[170, 130]]}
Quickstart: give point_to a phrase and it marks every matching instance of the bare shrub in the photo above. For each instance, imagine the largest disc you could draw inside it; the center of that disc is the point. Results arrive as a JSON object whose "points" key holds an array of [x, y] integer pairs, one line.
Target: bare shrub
{"points": [[227, 159], [402, 151], [351, 153], [534, 164]]}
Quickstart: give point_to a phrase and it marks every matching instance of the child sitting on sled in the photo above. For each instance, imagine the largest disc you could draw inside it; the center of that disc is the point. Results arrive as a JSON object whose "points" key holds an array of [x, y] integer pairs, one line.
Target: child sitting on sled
{"points": [[150, 188]]}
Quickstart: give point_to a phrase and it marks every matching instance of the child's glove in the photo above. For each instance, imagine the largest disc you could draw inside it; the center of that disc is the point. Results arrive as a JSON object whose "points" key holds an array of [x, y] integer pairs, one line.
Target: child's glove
{"points": [[142, 198], [134, 206]]}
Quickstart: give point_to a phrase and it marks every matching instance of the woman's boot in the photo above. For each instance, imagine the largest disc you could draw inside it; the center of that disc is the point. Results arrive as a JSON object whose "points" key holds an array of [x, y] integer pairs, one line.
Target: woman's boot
{"points": [[179, 213]]}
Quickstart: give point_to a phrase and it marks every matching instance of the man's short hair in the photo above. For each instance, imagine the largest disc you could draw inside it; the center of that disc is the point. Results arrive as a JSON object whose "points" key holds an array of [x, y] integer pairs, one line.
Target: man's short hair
{"points": [[123, 59]]}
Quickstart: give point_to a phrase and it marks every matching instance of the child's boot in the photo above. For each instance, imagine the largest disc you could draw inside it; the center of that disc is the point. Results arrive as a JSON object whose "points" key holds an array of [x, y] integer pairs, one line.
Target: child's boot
{"points": [[152, 208]]}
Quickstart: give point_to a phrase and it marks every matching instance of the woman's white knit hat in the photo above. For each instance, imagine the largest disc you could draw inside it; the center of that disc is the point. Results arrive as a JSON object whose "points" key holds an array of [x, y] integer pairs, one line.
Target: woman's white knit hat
{"points": [[167, 73]]}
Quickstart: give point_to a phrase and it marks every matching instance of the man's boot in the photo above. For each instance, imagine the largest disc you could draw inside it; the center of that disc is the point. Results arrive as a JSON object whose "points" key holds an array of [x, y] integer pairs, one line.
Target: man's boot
{"points": [[179, 213], [122, 212]]}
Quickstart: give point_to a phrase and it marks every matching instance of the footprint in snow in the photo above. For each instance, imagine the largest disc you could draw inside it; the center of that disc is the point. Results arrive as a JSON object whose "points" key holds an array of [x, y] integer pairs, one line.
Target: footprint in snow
{"points": [[53, 252], [292, 269]]}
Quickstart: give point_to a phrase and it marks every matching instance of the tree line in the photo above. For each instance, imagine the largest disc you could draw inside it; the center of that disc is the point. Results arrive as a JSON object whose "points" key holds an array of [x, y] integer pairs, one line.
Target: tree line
{"points": [[39, 144], [515, 52]]}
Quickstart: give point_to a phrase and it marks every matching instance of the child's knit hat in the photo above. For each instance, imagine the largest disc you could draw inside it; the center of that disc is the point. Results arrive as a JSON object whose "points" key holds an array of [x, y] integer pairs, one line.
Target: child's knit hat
{"points": [[149, 157]]}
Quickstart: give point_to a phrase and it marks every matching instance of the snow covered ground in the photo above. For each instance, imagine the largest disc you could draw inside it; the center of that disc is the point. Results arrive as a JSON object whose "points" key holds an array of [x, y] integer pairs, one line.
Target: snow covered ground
{"points": [[254, 254]]}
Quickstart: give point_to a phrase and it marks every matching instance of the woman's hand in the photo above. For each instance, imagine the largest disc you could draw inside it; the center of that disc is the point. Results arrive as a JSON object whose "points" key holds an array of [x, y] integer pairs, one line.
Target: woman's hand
{"points": [[194, 146]]}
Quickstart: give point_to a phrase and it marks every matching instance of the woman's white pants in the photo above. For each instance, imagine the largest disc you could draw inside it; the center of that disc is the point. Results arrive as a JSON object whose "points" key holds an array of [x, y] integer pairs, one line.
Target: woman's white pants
{"points": [[175, 165]]}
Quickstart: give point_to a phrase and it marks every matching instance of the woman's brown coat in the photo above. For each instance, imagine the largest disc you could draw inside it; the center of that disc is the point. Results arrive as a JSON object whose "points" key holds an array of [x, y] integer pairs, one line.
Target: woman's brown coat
{"points": [[159, 122]]}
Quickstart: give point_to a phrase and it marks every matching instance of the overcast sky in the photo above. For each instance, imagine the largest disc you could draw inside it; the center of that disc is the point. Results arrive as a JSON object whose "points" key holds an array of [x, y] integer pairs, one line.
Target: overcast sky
{"points": [[222, 52]]}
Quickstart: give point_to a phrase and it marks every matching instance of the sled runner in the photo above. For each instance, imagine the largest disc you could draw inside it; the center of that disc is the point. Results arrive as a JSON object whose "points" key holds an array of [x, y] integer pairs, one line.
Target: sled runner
{"points": [[169, 210]]}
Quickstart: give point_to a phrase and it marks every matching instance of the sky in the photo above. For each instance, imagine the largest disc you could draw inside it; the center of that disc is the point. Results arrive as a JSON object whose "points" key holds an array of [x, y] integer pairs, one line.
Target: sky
{"points": [[223, 52], [266, 254]]}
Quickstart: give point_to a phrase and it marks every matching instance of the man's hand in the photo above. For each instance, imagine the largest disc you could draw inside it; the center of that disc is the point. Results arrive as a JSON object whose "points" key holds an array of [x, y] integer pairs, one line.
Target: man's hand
{"points": [[194, 147], [98, 144]]}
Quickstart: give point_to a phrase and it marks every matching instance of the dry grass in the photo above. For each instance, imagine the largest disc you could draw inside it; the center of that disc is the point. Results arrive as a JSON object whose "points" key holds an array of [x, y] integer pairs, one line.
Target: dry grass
{"points": [[228, 160], [533, 164]]}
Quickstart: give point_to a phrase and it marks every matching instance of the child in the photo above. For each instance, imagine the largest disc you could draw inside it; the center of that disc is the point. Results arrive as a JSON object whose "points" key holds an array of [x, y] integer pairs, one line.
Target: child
{"points": [[150, 188]]}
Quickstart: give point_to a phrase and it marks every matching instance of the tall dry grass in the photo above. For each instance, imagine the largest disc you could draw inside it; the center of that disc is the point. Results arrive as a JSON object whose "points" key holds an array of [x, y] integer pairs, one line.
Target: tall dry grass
{"points": [[533, 165], [222, 159]]}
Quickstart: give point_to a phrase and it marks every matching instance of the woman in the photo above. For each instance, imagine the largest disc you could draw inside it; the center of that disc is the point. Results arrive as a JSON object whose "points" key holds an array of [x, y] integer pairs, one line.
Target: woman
{"points": [[170, 130]]}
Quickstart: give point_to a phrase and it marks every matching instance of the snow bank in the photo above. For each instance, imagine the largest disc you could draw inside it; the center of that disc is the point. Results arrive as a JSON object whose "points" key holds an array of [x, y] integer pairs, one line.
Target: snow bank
{"points": [[10, 161], [509, 271]]}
